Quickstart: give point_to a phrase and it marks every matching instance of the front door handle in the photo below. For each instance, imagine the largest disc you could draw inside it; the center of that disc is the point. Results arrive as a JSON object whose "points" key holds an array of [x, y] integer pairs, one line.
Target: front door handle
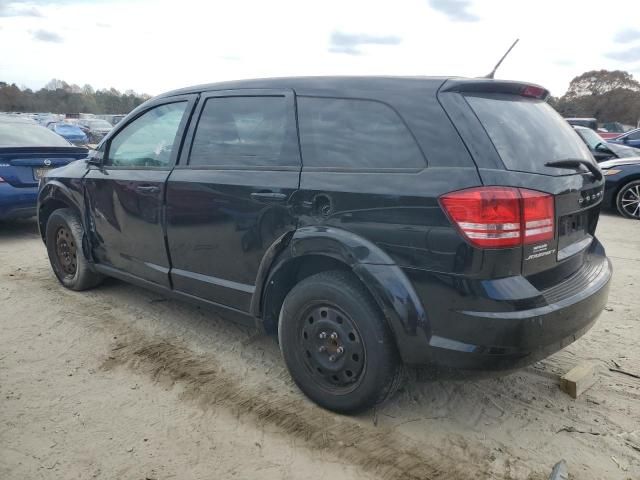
{"points": [[148, 189], [272, 197]]}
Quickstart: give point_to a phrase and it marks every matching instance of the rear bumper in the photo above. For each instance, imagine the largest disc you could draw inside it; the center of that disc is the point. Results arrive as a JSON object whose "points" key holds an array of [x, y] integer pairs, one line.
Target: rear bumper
{"points": [[17, 202], [509, 332]]}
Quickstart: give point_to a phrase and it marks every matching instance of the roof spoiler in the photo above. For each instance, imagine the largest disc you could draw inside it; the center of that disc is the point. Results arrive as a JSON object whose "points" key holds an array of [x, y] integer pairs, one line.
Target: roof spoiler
{"points": [[486, 85]]}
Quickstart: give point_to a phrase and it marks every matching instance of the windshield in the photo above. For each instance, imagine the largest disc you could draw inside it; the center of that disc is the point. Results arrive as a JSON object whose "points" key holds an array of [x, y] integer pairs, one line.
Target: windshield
{"points": [[99, 124], [590, 137], [527, 133], [27, 135]]}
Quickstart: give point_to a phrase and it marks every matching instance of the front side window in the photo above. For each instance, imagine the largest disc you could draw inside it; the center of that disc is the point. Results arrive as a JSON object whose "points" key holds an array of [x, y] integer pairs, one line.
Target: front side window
{"points": [[360, 134], [149, 140], [244, 132]]}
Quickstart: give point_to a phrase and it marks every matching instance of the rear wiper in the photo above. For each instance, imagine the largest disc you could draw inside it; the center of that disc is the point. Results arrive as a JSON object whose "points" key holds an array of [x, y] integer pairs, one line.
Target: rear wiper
{"points": [[576, 163]]}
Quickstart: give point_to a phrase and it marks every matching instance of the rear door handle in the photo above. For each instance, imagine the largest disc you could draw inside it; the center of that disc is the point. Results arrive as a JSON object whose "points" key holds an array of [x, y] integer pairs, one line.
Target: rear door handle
{"points": [[269, 197], [148, 189]]}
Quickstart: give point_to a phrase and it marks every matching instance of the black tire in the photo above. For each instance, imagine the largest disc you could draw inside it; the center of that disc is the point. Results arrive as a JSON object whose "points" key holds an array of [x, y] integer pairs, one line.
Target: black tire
{"points": [[64, 245], [628, 200], [366, 372]]}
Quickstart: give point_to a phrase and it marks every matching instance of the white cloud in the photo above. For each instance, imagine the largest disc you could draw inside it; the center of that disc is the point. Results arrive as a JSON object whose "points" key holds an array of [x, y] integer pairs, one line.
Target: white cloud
{"points": [[47, 36], [350, 43], [629, 55], [18, 9], [156, 45], [456, 10], [627, 35]]}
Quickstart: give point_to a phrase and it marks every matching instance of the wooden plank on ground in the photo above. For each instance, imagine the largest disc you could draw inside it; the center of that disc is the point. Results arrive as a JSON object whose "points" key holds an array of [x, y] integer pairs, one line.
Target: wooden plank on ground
{"points": [[579, 379]]}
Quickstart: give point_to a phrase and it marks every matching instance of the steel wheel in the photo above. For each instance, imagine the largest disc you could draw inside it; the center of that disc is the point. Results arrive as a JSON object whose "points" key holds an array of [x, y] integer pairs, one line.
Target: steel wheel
{"points": [[629, 200], [332, 350], [336, 343], [63, 237], [66, 252]]}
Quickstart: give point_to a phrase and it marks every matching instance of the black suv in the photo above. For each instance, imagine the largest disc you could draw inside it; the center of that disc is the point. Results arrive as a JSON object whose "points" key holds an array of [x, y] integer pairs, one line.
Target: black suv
{"points": [[368, 222]]}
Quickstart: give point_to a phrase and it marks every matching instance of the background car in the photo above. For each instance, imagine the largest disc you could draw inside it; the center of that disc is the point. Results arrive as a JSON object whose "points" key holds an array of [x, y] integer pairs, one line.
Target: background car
{"points": [[592, 123], [72, 133], [19, 117], [45, 119], [616, 127], [630, 139], [95, 129], [115, 119], [622, 187], [602, 150], [27, 152]]}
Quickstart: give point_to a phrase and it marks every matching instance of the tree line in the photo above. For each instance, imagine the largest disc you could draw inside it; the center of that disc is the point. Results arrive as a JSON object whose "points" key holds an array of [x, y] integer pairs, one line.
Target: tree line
{"points": [[60, 97], [609, 96]]}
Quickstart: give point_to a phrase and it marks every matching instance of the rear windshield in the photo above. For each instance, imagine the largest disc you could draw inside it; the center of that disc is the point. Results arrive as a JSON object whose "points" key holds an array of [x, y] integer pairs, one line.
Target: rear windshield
{"points": [[26, 135], [99, 124], [67, 128], [527, 133], [592, 124]]}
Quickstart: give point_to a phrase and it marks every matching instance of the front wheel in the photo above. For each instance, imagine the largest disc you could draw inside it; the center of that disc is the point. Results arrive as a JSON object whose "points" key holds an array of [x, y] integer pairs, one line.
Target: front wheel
{"points": [[64, 245], [336, 343], [628, 200]]}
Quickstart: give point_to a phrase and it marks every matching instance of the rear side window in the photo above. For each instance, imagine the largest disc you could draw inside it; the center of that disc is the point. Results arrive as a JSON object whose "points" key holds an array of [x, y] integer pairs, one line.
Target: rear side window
{"points": [[245, 131], [356, 134], [527, 133]]}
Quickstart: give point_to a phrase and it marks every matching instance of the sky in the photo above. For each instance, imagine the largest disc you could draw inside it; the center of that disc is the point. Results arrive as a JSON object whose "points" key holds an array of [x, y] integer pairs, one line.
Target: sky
{"points": [[152, 46]]}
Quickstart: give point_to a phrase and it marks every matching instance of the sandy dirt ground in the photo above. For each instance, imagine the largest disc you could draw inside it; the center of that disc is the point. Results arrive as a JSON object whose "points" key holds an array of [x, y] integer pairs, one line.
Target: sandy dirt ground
{"points": [[120, 383]]}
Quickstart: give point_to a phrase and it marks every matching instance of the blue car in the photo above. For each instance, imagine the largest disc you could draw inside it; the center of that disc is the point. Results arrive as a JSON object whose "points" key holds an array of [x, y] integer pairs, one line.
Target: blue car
{"points": [[71, 133], [27, 153], [630, 139]]}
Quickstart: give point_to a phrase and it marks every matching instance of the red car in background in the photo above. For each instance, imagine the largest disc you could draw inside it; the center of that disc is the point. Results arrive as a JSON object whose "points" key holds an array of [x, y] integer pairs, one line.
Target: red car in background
{"points": [[608, 135]]}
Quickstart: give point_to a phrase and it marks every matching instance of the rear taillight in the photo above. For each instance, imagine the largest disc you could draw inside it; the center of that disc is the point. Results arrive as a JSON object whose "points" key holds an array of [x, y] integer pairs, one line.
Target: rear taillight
{"points": [[488, 217], [538, 215], [534, 91], [499, 217]]}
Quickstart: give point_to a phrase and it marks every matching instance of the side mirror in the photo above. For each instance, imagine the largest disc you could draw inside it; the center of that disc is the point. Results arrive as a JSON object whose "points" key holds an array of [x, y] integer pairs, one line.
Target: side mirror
{"points": [[625, 139], [95, 158]]}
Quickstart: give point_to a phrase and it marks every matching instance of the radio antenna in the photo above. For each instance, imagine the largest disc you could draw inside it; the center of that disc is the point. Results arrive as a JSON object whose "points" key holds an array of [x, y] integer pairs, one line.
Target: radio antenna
{"points": [[493, 72]]}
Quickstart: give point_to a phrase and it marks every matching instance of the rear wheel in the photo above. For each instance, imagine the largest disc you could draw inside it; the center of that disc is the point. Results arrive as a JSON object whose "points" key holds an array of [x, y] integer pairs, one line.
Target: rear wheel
{"points": [[64, 245], [628, 200], [336, 343]]}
